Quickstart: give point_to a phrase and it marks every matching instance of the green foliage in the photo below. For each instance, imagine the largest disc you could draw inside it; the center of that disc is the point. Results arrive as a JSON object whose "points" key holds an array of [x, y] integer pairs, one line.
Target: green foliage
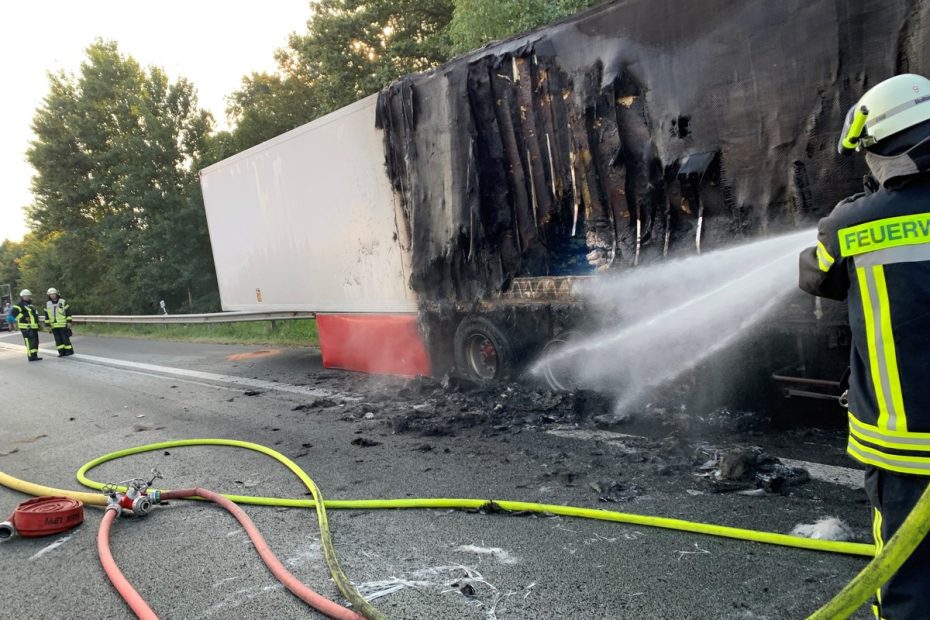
{"points": [[42, 263], [476, 22], [297, 332], [220, 145], [118, 221], [351, 49], [10, 254], [267, 106]]}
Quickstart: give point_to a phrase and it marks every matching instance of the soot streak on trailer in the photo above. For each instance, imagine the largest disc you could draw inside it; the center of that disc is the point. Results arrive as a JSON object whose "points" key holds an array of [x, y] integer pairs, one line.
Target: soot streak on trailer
{"points": [[638, 130]]}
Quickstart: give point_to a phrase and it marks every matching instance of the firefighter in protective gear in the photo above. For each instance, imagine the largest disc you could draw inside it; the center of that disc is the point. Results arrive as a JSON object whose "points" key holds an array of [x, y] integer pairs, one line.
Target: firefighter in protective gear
{"points": [[874, 249], [58, 320], [27, 319]]}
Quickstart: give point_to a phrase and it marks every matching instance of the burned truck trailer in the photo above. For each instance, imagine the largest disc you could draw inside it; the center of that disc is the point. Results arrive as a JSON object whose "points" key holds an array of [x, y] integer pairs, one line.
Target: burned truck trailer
{"points": [[632, 133]]}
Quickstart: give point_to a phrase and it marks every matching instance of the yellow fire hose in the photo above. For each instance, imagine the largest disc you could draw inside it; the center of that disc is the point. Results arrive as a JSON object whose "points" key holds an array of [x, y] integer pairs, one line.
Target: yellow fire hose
{"points": [[856, 593], [883, 566]]}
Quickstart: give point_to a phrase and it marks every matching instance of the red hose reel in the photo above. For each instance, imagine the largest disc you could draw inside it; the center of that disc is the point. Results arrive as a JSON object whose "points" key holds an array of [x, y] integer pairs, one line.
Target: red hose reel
{"points": [[43, 516]]}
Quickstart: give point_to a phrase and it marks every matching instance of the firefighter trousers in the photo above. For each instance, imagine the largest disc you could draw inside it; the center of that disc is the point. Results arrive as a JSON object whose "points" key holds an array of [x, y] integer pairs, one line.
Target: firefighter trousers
{"points": [[31, 337], [62, 341], [892, 496]]}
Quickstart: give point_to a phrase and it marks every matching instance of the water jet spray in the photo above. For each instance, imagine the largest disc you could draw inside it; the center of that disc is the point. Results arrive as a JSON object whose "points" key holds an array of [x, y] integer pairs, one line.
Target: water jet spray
{"points": [[670, 317]]}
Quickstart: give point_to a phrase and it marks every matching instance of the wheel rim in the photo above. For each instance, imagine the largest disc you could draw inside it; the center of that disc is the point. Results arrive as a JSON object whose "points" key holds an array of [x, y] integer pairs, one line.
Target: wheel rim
{"points": [[560, 381], [481, 356]]}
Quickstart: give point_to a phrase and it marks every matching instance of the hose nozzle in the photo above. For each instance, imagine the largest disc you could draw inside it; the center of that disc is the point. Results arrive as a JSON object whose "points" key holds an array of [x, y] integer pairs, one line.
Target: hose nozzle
{"points": [[7, 530]]}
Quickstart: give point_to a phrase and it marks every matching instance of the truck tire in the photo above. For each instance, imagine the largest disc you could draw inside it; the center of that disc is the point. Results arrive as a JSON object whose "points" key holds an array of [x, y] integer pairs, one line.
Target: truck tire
{"points": [[483, 351]]}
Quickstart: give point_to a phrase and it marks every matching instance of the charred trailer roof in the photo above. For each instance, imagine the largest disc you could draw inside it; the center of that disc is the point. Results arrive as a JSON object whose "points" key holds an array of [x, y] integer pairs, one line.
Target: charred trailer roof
{"points": [[637, 130]]}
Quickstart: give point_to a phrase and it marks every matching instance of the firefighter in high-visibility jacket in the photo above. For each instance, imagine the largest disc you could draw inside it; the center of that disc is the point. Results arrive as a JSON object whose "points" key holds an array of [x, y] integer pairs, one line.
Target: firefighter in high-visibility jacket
{"points": [[27, 319], [58, 320], [874, 249]]}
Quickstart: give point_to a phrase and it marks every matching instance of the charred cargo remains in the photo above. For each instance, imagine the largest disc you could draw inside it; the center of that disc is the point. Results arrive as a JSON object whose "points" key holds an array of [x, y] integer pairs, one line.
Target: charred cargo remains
{"points": [[639, 130]]}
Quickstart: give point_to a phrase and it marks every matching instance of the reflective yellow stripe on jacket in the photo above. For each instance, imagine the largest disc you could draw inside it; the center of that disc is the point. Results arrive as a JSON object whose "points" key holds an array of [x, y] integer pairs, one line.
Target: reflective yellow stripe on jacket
{"points": [[884, 438], [885, 442], [901, 463], [56, 315], [824, 260], [28, 318], [882, 357]]}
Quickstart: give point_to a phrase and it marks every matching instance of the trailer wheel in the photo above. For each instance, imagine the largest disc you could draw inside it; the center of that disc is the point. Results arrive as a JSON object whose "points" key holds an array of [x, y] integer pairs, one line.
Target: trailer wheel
{"points": [[482, 350], [559, 381]]}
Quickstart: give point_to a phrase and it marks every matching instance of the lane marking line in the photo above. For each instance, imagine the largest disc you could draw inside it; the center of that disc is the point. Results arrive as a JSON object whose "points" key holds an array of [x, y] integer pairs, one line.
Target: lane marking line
{"points": [[48, 549], [155, 370]]}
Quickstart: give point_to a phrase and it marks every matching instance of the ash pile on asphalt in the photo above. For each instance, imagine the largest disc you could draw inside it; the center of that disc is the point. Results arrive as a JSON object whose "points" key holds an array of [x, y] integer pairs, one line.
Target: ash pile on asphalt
{"points": [[667, 444], [743, 469], [440, 408]]}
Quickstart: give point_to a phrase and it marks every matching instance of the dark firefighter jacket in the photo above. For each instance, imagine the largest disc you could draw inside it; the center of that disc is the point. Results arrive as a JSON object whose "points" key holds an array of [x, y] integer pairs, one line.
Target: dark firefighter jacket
{"points": [[874, 248], [26, 315]]}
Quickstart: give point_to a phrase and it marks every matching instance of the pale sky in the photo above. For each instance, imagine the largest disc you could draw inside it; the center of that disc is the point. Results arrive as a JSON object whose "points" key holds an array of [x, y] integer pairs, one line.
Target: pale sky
{"points": [[213, 43]]}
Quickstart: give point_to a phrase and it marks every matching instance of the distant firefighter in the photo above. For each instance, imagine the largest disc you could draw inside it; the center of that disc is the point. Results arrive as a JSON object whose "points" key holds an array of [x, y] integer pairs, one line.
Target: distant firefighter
{"points": [[58, 320], [27, 319]]}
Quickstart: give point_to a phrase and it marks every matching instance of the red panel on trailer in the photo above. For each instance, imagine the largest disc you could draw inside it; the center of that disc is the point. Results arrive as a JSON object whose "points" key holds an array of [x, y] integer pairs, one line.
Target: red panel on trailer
{"points": [[382, 344]]}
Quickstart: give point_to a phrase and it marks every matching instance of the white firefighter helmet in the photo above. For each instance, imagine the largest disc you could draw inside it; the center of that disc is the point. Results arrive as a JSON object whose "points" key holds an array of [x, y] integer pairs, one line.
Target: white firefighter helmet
{"points": [[887, 108], [25, 293], [52, 291]]}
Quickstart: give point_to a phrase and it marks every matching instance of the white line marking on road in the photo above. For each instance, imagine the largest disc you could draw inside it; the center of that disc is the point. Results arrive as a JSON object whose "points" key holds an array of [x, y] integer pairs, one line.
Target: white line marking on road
{"points": [[49, 548], [154, 370], [213, 386]]}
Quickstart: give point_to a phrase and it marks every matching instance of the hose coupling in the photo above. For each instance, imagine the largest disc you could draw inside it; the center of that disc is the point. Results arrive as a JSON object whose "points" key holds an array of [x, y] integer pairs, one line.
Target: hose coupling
{"points": [[141, 506], [114, 499], [7, 530], [137, 498]]}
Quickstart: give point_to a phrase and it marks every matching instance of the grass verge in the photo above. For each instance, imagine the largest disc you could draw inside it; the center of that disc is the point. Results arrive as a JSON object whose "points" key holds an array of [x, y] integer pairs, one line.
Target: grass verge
{"points": [[297, 332]]}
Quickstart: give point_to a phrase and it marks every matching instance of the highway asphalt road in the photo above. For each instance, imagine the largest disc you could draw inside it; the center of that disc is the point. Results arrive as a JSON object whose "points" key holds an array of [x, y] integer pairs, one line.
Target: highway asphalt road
{"points": [[191, 560]]}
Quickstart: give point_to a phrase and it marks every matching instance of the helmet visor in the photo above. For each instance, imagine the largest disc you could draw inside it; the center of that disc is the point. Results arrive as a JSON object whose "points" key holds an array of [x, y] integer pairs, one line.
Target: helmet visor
{"points": [[854, 134]]}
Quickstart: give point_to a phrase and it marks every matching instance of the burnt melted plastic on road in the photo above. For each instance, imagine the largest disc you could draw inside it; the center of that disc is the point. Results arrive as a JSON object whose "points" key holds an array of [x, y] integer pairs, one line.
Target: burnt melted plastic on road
{"points": [[637, 130]]}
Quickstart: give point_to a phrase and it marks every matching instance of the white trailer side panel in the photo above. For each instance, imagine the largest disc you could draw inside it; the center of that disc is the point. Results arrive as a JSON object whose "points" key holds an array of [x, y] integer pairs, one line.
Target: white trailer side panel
{"points": [[306, 221]]}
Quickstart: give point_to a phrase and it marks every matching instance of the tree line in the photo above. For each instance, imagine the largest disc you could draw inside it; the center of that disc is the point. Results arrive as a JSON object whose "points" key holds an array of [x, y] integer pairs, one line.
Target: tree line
{"points": [[117, 219]]}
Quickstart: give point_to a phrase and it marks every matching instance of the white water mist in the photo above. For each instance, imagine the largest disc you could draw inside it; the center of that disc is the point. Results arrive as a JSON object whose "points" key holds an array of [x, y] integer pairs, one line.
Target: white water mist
{"points": [[676, 314]]}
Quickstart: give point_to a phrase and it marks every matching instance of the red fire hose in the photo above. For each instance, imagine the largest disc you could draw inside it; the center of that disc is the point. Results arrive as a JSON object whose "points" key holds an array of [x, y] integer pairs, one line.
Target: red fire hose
{"points": [[43, 516], [143, 611], [122, 585]]}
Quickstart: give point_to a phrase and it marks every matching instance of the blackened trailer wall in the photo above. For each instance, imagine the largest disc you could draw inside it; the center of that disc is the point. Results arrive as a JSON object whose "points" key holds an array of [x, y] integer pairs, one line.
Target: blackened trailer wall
{"points": [[637, 130]]}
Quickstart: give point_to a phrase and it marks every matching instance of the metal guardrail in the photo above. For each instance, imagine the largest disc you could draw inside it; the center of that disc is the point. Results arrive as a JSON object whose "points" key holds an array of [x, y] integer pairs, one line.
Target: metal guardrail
{"points": [[215, 317]]}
